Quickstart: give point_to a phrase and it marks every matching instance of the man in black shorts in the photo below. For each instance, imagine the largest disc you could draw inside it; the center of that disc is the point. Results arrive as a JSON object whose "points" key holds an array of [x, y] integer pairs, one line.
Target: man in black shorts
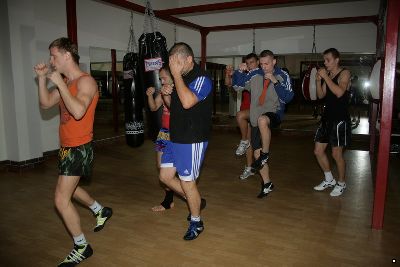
{"points": [[77, 96], [335, 129]]}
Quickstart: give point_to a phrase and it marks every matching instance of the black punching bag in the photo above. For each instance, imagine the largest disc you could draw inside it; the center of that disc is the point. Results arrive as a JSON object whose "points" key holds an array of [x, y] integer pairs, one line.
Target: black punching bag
{"points": [[153, 55], [133, 101]]}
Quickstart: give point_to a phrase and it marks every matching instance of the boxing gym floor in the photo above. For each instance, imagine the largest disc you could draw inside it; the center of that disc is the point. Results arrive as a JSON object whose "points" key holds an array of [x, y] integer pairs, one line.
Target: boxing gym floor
{"points": [[293, 226]]}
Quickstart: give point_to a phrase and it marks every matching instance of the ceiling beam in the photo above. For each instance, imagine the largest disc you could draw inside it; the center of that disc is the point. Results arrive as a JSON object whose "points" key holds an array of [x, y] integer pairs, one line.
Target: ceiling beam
{"points": [[228, 5], [295, 23], [141, 9]]}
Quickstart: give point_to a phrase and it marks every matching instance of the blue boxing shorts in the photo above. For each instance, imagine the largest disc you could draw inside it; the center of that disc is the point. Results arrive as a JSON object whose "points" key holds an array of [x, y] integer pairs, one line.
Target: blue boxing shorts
{"points": [[186, 158]]}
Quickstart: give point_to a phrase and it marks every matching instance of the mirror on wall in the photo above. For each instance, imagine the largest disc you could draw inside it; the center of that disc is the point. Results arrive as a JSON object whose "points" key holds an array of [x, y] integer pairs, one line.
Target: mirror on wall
{"points": [[302, 114], [100, 69]]}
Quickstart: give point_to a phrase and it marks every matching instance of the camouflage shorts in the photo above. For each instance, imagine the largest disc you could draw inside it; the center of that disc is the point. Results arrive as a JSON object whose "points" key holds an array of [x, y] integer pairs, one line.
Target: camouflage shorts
{"points": [[76, 161]]}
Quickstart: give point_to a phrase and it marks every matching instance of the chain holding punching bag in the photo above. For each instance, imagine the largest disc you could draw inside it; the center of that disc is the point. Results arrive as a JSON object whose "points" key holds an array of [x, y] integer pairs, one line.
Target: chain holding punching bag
{"points": [[308, 86], [133, 94], [152, 54]]}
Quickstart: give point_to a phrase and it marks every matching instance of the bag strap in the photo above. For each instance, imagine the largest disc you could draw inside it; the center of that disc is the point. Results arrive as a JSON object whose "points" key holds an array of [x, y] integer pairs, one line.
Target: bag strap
{"points": [[132, 44], [150, 22]]}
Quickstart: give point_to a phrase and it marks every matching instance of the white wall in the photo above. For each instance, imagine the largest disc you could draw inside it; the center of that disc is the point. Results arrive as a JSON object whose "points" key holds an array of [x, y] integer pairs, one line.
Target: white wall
{"points": [[108, 26], [7, 116]]}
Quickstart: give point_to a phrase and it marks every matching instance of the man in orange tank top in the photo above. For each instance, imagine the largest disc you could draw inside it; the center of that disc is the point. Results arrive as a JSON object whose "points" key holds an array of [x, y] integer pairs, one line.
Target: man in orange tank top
{"points": [[77, 97]]}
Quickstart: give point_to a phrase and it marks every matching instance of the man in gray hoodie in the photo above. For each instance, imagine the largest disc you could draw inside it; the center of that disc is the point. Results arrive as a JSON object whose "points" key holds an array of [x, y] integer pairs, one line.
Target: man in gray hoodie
{"points": [[270, 90]]}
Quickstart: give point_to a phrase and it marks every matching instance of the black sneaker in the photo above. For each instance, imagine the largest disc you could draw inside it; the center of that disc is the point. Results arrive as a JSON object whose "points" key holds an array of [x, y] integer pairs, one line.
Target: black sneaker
{"points": [[260, 162], [266, 189], [203, 204], [77, 255], [101, 217], [195, 228]]}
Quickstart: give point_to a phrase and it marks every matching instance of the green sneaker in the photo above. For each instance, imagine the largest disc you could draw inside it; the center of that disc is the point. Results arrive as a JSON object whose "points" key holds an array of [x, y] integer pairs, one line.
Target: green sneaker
{"points": [[77, 255], [101, 217]]}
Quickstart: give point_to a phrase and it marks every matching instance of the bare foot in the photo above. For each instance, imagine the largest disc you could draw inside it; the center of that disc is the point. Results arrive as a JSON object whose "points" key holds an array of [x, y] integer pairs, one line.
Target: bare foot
{"points": [[160, 208]]}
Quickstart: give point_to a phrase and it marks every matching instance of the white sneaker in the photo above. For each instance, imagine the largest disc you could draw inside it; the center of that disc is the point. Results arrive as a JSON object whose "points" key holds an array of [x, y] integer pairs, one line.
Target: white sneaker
{"points": [[324, 185], [243, 146], [338, 190], [246, 173]]}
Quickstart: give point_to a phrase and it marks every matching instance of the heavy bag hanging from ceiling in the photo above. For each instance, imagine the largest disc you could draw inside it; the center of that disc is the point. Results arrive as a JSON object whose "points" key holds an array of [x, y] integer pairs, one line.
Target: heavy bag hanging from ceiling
{"points": [[153, 54], [308, 86], [133, 94]]}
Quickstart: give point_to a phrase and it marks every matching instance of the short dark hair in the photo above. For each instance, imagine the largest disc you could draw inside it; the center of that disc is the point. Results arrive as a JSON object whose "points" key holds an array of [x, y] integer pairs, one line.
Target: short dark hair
{"points": [[66, 45], [251, 55], [182, 49], [166, 68], [267, 53], [335, 53]]}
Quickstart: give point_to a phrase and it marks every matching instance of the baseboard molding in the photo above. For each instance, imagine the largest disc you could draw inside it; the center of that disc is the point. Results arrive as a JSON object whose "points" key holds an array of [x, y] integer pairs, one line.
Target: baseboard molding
{"points": [[19, 166]]}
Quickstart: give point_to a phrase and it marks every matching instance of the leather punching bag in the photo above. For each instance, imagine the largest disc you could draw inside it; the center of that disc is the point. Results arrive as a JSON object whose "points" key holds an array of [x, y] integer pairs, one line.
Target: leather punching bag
{"points": [[153, 55], [374, 80], [308, 85], [134, 124]]}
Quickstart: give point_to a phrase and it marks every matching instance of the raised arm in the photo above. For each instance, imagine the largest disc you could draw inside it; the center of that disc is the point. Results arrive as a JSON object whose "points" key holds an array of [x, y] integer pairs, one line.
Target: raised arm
{"points": [[186, 96], [167, 100], [283, 86], [241, 79], [337, 89], [47, 99], [154, 102], [76, 105], [228, 75]]}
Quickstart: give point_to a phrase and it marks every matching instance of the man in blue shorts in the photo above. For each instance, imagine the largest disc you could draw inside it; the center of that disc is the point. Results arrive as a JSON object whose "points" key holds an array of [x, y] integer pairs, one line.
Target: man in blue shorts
{"points": [[190, 125]]}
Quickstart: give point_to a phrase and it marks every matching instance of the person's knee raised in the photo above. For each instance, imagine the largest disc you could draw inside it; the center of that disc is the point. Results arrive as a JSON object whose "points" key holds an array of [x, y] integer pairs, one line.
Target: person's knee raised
{"points": [[263, 121]]}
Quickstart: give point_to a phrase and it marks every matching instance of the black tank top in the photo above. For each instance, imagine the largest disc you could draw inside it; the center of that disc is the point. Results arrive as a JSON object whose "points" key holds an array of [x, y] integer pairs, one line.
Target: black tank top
{"points": [[336, 108]]}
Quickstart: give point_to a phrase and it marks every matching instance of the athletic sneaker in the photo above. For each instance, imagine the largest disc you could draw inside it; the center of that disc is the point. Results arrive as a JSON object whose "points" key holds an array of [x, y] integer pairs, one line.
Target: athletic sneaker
{"points": [[260, 162], [266, 189], [77, 255], [203, 204], [338, 190], [324, 185], [243, 146], [247, 172], [195, 228], [101, 217]]}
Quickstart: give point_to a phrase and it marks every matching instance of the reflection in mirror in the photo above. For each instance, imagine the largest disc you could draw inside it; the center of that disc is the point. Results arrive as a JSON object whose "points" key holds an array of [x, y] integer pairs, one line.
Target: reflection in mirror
{"points": [[100, 69]]}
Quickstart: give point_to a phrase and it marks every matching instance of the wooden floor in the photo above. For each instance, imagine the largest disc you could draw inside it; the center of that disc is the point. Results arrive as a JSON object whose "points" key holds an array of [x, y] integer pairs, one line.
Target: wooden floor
{"points": [[294, 226]]}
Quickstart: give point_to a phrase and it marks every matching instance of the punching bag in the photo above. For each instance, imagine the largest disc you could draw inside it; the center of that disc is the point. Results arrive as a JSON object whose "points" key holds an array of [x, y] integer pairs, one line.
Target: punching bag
{"points": [[153, 54], [374, 80], [133, 94], [134, 124], [308, 85]]}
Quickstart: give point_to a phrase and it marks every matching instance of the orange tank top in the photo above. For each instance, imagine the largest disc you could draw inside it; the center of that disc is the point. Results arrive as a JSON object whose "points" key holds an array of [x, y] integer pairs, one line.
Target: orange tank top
{"points": [[76, 132]]}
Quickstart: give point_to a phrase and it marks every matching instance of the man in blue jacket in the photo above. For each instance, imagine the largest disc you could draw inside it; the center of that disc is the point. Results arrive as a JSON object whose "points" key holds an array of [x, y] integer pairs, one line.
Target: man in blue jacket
{"points": [[270, 89]]}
